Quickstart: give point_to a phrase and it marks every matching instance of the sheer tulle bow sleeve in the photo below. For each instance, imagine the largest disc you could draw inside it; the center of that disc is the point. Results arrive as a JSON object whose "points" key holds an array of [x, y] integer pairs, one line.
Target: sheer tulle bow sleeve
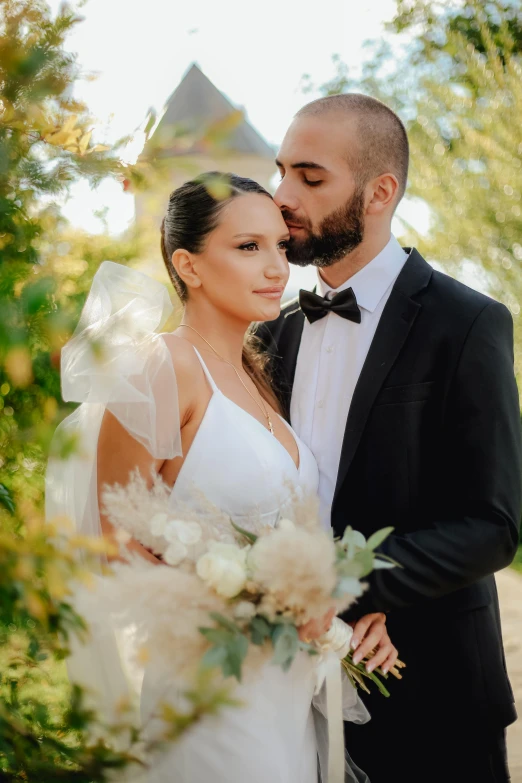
{"points": [[116, 360]]}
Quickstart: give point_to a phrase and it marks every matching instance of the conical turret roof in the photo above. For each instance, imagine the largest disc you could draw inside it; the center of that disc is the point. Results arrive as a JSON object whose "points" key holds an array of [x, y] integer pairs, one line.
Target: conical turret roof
{"points": [[197, 104]]}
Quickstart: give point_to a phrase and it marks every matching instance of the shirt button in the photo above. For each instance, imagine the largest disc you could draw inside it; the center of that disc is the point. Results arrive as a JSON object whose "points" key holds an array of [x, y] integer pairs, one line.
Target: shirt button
{"points": [[320, 404], [330, 349]]}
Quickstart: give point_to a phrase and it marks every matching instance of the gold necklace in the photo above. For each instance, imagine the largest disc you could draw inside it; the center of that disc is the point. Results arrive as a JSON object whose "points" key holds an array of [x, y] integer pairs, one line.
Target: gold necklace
{"points": [[260, 405]]}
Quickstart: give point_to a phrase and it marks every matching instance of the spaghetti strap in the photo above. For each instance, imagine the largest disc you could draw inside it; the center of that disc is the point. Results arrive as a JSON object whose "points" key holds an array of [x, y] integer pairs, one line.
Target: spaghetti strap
{"points": [[210, 379]]}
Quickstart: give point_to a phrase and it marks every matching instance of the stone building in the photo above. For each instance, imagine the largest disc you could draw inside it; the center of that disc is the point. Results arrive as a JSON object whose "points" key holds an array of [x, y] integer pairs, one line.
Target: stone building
{"points": [[201, 130]]}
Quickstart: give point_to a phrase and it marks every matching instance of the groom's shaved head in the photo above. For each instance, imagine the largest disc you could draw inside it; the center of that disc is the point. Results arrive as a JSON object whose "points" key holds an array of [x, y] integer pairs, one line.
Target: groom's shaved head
{"points": [[382, 142]]}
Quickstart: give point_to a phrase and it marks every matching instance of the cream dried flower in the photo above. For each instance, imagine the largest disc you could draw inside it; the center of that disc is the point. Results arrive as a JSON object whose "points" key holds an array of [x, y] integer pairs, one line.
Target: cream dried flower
{"points": [[189, 533], [296, 570], [286, 524], [158, 524], [165, 614]]}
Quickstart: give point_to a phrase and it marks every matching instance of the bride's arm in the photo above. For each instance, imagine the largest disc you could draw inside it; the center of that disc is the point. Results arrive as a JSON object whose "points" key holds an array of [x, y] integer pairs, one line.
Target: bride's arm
{"points": [[119, 453]]}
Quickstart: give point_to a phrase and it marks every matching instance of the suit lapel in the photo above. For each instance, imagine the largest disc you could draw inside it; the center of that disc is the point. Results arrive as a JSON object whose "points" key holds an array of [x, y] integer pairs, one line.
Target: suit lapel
{"points": [[288, 348], [397, 319]]}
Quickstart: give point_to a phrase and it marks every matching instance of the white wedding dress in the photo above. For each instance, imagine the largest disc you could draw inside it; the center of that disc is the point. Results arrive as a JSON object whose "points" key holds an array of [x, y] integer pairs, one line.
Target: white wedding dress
{"points": [[236, 464]]}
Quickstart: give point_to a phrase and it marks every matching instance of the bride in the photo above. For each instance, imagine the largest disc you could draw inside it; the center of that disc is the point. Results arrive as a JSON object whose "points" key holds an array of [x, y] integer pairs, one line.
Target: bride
{"points": [[196, 406]]}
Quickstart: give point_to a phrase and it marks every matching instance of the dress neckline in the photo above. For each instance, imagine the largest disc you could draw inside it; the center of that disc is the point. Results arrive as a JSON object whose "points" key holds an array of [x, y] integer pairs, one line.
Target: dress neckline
{"points": [[216, 390]]}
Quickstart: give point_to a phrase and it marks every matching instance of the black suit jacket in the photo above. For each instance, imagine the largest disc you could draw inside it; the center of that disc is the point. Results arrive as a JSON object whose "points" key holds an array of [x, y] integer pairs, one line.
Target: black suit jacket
{"points": [[432, 446]]}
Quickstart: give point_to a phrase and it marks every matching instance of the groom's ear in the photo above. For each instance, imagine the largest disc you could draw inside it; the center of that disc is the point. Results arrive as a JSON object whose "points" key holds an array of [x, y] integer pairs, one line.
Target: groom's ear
{"points": [[184, 264], [381, 194]]}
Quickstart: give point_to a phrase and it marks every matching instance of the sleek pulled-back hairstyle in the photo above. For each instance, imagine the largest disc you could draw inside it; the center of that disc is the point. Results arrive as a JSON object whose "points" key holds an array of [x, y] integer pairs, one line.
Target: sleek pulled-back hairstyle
{"points": [[193, 212]]}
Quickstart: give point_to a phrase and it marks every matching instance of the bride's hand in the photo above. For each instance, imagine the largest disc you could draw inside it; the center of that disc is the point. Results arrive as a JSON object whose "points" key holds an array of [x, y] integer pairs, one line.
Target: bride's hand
{"points": [[370, 633], [314, 629]]}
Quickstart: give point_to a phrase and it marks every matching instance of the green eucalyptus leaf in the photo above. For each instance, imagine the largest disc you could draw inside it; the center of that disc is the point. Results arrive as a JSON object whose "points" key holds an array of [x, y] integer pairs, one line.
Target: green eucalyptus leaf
{"points": [[237, 649], [224, 622], [215, 635], [260, 630], [378, 537], [214, 657], [285, 639], [350, 569], [387, 559], [365, 559]]}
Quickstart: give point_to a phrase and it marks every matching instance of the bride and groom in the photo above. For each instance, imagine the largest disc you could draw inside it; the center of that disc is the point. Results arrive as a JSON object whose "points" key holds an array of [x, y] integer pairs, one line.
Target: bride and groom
{"points": [[398, 383]]}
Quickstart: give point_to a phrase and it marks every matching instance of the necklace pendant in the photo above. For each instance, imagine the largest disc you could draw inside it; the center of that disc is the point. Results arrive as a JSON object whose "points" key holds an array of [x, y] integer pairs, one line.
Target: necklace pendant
{"points": [[270, 425]]}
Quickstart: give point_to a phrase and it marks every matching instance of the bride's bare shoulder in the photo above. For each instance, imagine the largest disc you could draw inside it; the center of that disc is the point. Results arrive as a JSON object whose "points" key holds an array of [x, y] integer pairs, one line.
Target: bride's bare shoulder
{"points": [[186, 364]]}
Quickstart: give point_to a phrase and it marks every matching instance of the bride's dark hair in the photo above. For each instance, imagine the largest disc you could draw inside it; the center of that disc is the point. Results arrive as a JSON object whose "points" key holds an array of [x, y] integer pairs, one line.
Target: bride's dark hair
{"points": [[192, 214]]}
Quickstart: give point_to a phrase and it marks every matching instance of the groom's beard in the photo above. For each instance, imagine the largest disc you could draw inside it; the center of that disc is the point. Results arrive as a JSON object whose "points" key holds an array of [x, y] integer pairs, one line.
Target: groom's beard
{"points": [[339, 233]]}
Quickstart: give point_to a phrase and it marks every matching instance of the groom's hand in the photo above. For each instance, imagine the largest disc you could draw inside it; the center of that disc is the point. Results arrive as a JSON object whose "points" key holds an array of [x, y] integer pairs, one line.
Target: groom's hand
{"points": [[369, 633]]}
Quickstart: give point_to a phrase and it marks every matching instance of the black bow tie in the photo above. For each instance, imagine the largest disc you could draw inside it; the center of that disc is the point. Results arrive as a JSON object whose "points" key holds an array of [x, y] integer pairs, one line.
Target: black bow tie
{"points": [[344, 304]]}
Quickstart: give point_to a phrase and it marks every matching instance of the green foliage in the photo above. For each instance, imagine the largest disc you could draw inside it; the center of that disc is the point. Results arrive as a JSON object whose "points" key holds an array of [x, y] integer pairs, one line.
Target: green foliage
{"points": [[230, 643], [423, 18], [44, 147], [41, 720], [458, 86], [286, 645], [229, 647]]}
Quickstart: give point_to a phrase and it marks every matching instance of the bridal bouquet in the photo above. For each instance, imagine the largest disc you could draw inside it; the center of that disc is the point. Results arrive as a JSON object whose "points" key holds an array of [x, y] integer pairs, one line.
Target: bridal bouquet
{"points": [[233, 596]]}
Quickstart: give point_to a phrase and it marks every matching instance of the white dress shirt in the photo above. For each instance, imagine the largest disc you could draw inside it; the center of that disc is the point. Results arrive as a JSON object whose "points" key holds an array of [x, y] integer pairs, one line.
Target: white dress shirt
{"points": [[330, 359]]}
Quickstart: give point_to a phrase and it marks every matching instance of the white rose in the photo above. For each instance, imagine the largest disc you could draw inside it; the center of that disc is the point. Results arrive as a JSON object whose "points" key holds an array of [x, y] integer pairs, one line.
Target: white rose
{"points": [[157, 524], [230, 551], [244, 610], [188, 533], [176, 552], [223, 567]]}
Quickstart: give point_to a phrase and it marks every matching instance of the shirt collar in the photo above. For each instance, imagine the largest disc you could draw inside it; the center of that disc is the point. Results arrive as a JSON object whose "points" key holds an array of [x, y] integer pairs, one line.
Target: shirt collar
{"points": [[371, 282]]}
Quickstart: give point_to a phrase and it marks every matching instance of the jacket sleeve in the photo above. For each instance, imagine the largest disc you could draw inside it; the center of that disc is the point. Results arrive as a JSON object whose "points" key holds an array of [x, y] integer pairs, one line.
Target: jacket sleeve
{"points": [[482, 424]]}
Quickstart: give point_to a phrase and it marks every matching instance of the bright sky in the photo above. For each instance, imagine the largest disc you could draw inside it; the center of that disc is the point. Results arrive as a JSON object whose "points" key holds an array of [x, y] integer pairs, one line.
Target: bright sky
{"points": [[256, 53]]}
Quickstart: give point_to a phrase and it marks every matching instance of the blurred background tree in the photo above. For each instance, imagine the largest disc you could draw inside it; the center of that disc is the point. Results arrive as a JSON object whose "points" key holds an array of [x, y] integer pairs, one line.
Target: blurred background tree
{"points": [[45, 146], [46, 269], [453, 72]]}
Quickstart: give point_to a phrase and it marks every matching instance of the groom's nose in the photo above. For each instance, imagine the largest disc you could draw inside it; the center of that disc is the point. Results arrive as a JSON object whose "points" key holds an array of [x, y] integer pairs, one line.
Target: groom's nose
{"points": [[284, 197]]}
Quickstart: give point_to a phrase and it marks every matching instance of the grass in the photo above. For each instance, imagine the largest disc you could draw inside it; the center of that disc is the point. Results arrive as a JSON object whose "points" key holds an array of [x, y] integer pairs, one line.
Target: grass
{"points": [[517, 562]]}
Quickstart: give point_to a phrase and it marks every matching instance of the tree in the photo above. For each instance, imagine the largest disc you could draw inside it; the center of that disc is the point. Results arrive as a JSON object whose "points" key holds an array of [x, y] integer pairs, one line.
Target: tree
{"points": [[45, 145], [458, 87], [423, 18]]}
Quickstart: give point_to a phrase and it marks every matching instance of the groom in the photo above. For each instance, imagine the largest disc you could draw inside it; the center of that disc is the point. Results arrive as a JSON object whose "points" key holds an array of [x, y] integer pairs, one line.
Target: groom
{"points": [[400, 380]]}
